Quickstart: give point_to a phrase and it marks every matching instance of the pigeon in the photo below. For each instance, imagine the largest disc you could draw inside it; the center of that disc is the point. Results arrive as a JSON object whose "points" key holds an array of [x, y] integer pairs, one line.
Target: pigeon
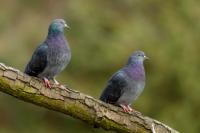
{"points": [[52, 56], [127, 84]]}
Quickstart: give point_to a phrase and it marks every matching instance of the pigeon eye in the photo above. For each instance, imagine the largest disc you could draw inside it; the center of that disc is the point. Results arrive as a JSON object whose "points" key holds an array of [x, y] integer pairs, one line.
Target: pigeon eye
{"points": [[63, 23]]}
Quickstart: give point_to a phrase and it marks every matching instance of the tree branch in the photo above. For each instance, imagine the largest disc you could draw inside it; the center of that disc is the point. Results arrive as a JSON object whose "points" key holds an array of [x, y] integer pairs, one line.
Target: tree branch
{"points": [[76, 104]]}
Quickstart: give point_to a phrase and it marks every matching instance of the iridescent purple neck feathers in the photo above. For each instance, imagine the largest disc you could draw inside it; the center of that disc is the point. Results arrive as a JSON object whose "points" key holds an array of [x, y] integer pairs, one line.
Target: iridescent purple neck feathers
{"points": [[57, 39], [135, 71]]}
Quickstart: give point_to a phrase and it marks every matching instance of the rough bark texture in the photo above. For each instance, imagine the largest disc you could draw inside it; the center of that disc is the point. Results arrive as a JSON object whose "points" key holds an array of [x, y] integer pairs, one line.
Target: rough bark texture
{"points": [[76, 104]]}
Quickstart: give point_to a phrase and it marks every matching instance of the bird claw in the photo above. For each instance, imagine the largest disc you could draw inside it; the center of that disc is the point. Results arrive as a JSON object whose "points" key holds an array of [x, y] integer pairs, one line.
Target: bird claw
{"points": [[126, 108], [47, 83]]}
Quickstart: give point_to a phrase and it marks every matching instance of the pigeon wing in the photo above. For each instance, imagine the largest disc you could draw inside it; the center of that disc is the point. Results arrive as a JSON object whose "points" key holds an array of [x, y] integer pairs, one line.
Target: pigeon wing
{"points": [[38, 61], [115, 88]]}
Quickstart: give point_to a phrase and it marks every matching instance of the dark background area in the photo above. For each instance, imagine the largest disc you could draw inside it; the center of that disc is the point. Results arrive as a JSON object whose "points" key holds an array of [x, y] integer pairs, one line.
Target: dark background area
{"points": [[103, 35]]}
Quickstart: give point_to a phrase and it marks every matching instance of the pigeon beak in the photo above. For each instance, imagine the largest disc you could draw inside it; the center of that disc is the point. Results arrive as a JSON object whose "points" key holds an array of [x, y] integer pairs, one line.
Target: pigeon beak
{"points": [[146, 58], [67, 26]]}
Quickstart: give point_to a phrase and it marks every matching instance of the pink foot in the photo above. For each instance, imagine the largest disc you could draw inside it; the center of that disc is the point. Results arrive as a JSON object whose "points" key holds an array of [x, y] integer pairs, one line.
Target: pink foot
{"points": [[47, 83], [125, 108]]}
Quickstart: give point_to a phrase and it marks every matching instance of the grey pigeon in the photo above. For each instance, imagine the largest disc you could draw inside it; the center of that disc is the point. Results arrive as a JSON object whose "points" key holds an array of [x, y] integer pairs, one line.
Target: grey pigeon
{"points": [[52, 56], [127, 84]]}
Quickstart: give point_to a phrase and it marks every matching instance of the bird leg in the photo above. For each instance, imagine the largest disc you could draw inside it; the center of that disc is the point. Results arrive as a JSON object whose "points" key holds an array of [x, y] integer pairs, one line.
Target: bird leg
{"points": [[46, 83], [125, 108]]}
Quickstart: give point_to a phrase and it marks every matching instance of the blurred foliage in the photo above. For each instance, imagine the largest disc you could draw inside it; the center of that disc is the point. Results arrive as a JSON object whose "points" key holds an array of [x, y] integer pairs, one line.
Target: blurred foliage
{"points": [[103, 34]]}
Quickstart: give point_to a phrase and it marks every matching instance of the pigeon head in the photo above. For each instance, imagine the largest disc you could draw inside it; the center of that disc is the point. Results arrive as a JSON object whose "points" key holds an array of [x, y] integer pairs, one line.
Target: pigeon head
{"points": [[137, 57], [57, 26]]}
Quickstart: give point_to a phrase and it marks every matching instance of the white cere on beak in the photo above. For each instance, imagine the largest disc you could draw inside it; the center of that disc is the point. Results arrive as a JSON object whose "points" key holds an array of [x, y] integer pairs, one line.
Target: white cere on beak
{"points": [[66, 26], [145, 57]]}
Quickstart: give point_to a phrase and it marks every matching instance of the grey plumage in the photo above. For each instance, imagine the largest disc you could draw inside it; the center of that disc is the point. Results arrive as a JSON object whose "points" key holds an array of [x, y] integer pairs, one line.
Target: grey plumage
{"points": [[53, 55], [127, 84]]}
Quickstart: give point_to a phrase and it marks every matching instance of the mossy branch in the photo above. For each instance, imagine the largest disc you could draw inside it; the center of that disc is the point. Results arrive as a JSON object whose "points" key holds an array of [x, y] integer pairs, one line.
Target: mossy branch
{"points": [[76, 104]]}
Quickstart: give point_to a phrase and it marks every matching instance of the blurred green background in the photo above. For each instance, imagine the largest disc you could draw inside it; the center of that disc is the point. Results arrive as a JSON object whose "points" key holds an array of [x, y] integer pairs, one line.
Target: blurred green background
{"points": [[103, 34]]}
